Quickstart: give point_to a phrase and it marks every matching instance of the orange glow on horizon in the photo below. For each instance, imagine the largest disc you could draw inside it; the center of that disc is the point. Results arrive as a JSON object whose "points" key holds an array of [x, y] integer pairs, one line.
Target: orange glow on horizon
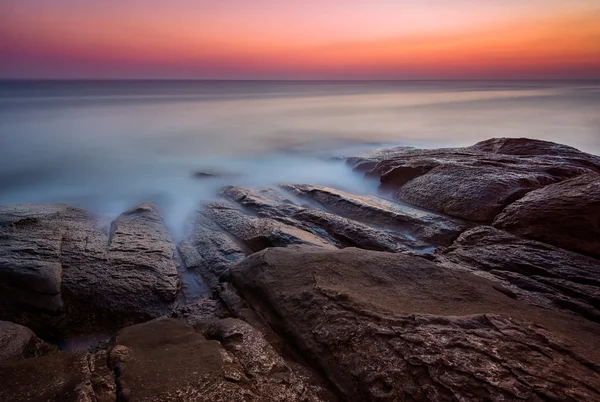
{"points": [[242, 43]]}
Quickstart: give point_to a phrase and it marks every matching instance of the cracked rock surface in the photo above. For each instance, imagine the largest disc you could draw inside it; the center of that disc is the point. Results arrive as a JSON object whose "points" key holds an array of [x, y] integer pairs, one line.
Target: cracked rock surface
{"points": [[243, 366], [60, 271], [388, 327]]}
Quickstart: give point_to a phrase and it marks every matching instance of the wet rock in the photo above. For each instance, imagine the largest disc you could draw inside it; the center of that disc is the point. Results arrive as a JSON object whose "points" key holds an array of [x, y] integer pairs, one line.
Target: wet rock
{"points": [[537, 272], [60, 271], [209, 250], [566, 214], [339, 231], [19, 342], [58, 376], [137, 279], [259, 233], [193, 368], [389, 327], [475, 183], [425, 226]]}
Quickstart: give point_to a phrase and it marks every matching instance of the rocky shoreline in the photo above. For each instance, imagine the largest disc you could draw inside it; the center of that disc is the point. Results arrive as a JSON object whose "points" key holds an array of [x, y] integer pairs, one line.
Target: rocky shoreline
{"points": [[474, 275]]}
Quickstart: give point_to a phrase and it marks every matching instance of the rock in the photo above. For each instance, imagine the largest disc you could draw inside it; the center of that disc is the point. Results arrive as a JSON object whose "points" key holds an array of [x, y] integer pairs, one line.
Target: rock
{"points": [[208, 250], [425, 226], [565, 214], [273, 377], [136, 281], [390, 327], [475, 183], [537, 272], [339, 231], [19, 342], [30, 266], [202, 310], [60, 272], [259, 233], [527, 146], [474, 193], [58, 376], [166, 360], [211, 174]]}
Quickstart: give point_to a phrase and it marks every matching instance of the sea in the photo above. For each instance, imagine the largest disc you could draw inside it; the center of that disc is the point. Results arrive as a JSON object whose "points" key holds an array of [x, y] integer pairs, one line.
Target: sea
{"points": [[109, 145]]}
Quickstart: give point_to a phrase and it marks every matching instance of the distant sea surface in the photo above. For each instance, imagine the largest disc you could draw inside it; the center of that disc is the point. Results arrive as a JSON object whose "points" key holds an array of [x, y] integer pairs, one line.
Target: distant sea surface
{"points": [[107, 145]]}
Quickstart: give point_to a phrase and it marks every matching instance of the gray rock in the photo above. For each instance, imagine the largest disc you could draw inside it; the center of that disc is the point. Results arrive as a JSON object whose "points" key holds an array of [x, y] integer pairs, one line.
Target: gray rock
{"points": [[387, 327], [60, 271]]}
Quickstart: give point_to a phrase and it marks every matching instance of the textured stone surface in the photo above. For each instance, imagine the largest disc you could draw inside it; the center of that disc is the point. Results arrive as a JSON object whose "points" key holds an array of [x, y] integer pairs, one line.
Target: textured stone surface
{"points": [[61, 271], [339, 231], [272, 376], [425, 226], [386, 327], [166, 360], [470, 192], [258, 233], [476, 182], [566, 214], [537, 272], [19, 342], [58, 377]]}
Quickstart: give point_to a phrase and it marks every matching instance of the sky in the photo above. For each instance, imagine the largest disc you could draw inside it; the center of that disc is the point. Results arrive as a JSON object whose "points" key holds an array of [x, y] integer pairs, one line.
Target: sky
{"points": [[300, 39]]}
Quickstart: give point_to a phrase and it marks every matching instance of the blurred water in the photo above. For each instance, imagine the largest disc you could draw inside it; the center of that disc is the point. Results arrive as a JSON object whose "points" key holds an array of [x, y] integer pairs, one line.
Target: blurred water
{"points": [[107, 145]]}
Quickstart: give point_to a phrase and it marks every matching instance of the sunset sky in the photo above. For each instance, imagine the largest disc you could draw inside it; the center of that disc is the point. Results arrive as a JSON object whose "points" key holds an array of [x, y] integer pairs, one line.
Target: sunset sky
{"points": [[310, 39]]}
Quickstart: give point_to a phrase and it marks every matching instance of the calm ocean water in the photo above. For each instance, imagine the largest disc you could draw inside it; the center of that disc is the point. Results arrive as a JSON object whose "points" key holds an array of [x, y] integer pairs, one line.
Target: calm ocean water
{"points": [[107, 145]]}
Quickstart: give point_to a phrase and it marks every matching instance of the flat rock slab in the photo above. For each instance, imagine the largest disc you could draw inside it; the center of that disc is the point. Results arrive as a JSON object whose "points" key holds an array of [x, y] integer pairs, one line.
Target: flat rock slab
{"points": [[388, 327], [60, 270], [537, 272], [565, 214], [167, 360]]}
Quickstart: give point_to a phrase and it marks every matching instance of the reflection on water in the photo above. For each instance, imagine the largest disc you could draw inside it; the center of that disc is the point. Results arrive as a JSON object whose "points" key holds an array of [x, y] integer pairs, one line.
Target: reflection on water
{"points": [[108, 145]]}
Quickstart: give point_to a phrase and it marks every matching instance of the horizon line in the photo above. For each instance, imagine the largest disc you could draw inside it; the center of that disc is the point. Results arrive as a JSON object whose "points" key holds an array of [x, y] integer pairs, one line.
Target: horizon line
{"points": [[296, 79]]}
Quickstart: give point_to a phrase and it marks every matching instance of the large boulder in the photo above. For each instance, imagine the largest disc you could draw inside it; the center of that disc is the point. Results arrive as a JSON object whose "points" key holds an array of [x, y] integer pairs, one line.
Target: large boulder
{"points": [[388, 327], [477, 182], [19, 342], [475, 193], [61, 271], [565, 214], [167, 360]]}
